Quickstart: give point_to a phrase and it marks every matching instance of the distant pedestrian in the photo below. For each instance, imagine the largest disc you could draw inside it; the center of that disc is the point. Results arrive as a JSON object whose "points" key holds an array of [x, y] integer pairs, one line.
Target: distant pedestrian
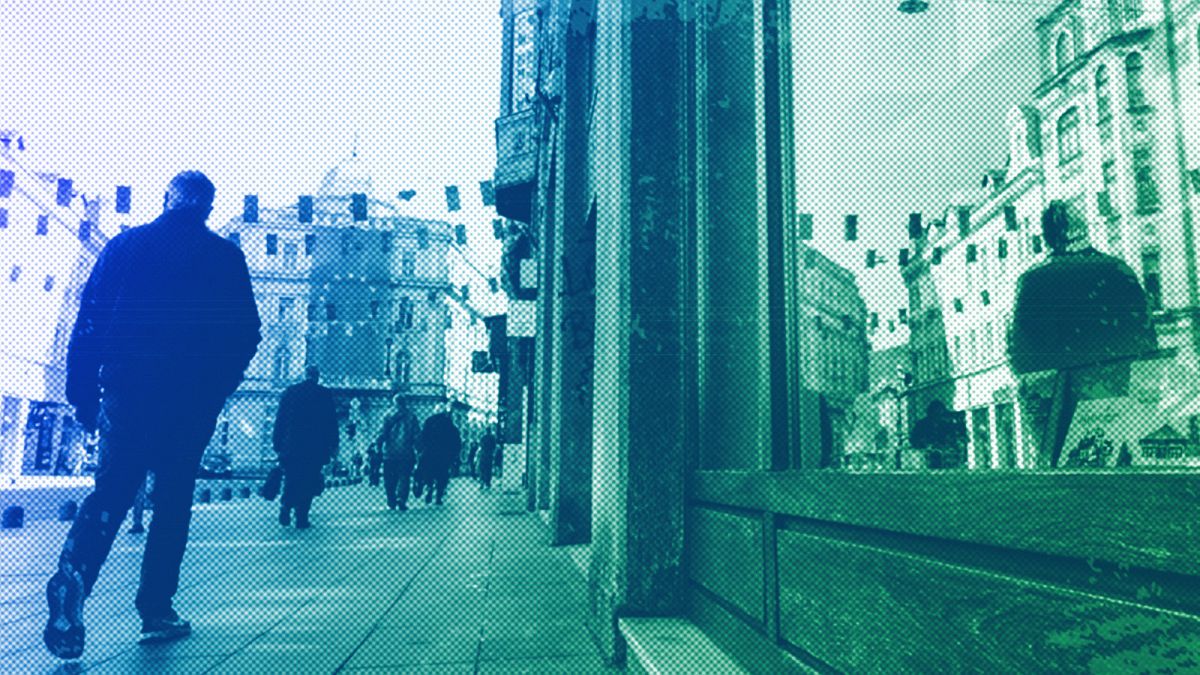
{"points": [[139, 507], [440, 447], [357, 462], [472, 457], [306, 439], [166, 327], [398, 445], [374, 463], [487, 455]]}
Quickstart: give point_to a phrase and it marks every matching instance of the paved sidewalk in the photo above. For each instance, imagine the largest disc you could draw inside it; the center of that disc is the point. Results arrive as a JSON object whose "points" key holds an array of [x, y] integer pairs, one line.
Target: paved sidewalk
{"points": [[452, 589]]}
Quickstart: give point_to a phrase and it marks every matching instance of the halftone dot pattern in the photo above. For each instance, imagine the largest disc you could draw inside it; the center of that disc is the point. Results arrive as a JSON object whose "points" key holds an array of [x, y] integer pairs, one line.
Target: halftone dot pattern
{"points": [[772, 336]]}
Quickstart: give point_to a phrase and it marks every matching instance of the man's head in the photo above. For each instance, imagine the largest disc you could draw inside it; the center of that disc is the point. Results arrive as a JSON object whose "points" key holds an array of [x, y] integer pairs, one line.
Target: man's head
{"points": [[400, 401], [312, 374], [1059, 222], [189, 192]]}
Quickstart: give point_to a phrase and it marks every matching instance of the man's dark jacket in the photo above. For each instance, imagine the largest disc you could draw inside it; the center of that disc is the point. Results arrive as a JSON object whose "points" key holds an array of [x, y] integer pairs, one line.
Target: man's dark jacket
{"points": [[1078, 309], [306, 428], [440, 444], [167, 316]]}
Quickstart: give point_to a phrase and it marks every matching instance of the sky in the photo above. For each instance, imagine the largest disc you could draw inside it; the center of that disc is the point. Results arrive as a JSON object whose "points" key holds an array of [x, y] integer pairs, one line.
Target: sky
{"points": [[264, 96]]}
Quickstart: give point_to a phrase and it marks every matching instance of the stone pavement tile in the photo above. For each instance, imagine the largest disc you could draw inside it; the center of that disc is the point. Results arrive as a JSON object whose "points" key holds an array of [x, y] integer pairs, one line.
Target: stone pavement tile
{"points": [[546, 606], [288, 654], [542, 644], [467, 668], [38, 660], [552, 665], [139, 663], [531, 626], [400, 648]]}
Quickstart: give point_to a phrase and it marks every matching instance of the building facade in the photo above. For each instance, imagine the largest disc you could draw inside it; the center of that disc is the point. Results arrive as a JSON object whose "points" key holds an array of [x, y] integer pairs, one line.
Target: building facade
{"points": [[346, 284], [1110, 130], [50, 235]]}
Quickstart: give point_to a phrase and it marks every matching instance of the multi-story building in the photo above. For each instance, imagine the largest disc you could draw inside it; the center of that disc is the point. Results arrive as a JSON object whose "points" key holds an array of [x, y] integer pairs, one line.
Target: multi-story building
{"points": [[345, 283], [833, 351], [50, 235], [1108, 131]]}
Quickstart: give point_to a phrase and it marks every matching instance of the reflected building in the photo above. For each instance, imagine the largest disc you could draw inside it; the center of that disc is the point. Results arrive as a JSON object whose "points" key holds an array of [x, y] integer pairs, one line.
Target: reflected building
{"points": [[1104, 132], [345, 283]]}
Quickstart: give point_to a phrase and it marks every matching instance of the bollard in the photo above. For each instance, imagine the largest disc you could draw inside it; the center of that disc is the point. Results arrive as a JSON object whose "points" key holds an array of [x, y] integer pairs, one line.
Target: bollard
{"points": [[14, 517], [205, 496], [244, 493], [226, 494], [67, 511]]}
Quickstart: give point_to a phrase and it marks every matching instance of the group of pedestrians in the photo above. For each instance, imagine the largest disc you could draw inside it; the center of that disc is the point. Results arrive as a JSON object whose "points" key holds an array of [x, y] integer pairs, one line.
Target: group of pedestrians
{"points": [[166, 328], [415, 458]]}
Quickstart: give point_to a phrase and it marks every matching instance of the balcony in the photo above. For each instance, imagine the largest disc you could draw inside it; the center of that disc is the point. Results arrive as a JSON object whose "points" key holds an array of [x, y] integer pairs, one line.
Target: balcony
{"points": [[516, 164]]}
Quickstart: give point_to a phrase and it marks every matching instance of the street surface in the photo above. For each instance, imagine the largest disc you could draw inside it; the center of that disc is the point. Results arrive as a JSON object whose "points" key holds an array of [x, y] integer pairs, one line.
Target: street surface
{"points": [[460, 588]]}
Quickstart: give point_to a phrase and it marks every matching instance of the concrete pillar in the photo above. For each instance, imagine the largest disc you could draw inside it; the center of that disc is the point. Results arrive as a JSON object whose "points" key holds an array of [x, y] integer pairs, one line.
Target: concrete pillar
{"points": [[639, 176]]}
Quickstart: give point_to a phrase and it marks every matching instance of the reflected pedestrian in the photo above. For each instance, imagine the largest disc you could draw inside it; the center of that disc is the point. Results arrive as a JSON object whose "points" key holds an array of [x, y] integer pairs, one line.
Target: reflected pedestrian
{"points": [[398, 445], [440, 448], [487, 454], [306, 439], [166, 327]]}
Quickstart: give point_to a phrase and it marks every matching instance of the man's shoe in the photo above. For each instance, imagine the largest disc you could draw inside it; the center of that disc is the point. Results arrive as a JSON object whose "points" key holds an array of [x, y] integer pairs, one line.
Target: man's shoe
{"points": [[302, 524], [164, 628], [285, 517], [64, 632]]}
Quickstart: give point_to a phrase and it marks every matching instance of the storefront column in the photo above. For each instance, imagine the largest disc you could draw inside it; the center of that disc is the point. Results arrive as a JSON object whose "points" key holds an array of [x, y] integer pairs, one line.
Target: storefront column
{"points": [[639, 178]]}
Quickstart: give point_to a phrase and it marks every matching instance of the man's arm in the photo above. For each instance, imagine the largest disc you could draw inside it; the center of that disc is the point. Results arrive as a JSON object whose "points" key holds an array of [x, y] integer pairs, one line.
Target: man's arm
{"points": [[86, 349], [244, 322]]}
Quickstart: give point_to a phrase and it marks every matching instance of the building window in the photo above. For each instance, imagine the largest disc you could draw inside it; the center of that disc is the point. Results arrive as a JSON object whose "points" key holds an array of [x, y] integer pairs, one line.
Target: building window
{"points": [[408, 264], [310, 243], [374, 309], [43, 225], [1103, 96], [1145, 187], [972, 253], [403, 366], [330, 311], [385, 242], [3, 219], [985, 298], [1002, 248], [290, 252], [1062, 51], [387, 357], [1036, 244], [312, 311], [1069, 147], [285, 307], [283, 359], [1133, 81], [404, 319], [272, 244], [48, 284], [1152, 280], [15, 273]]}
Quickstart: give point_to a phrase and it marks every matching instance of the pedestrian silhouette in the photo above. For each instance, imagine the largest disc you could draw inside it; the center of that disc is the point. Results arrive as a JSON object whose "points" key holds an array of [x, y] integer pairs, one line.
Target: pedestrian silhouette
{"points": [[487, 455], [166, 327], [1078, 308], [374, 463], [398, 445], [440, 448], [139, 507], [306, 439]]}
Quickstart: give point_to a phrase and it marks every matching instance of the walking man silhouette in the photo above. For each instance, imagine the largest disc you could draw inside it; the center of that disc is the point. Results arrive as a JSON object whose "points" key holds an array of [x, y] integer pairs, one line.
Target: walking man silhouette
{"points": [[306, 438], [167, 325]]}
